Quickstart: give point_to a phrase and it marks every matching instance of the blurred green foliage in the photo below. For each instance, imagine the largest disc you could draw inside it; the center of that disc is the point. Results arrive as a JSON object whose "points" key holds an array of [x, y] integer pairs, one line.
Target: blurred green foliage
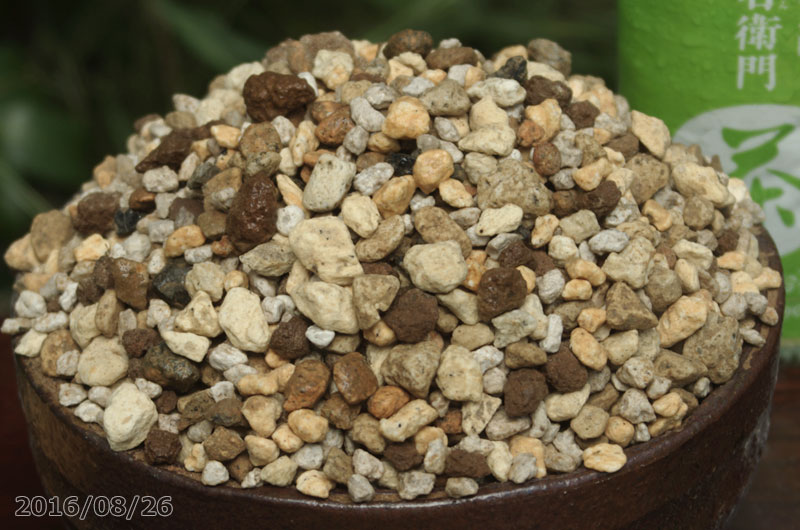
{"points": [[75, 75]]}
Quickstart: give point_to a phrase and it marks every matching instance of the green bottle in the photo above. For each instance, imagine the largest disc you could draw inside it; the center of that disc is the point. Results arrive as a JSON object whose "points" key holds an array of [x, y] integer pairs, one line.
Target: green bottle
{"points": [[725, 74]]}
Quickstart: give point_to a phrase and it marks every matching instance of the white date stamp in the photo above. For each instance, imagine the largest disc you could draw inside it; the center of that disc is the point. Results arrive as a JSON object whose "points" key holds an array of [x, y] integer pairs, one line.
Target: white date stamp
{"points": [[94, 506]]}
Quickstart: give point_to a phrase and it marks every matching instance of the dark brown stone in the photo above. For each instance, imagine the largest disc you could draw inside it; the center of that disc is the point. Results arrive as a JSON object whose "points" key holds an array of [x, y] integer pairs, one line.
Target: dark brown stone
{"points": [[131, 282], [88, 291], [627, 144], [408, 40], [515, 254], [378, 267], [546, 159], [727, 241], [240, 467], [451, 422], [223, 444], [332, 130], [253, 213], [269, 95], [444, 58], [161, 447], [412, 315], [337, 411], [166, 402], [403, 456], [602, 200], [564, 371], [96, 213], [524, 390], [539, 88], [103, 273], [171, 152], [354, 378], [289, 339], [160, 365], [461, 463], [307, 385], [227, 412], [137, 341], [582, 114], [565, 202], [142, 200], [195, 407], [625, 310], [185, 211], [501, 289], [541, 263]]}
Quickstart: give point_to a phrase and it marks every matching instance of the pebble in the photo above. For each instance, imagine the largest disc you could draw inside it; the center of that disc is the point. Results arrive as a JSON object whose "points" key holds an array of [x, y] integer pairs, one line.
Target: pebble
{"points": [[652, 132], [214, 473], [608, 458], [323, 245], [128, 417], [459, 375], [329, 182], [436, 267]]}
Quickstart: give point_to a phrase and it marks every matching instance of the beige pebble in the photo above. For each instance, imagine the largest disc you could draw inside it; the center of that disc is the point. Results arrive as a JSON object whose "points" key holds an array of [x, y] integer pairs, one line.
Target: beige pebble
{"points": [[577, 290], [406, 118], [604, 457], [591, 318], [619, 430], [431, 168], [226, 136], [586, 348], [314, 483], [543, 230], [590, 176], [395, 195], [306, 424], [92, 248], [407, 421], [455, 194]]}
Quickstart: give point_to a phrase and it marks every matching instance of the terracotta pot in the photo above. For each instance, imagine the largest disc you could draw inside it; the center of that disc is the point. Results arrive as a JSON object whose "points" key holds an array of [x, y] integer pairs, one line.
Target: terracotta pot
{"points": [[691, 478]]}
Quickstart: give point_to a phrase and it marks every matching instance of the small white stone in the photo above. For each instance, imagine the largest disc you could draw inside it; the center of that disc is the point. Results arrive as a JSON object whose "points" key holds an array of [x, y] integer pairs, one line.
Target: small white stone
{"points": [[310, 456], [367, 465], [170, 422], [30, 305], [200, 431], [100, 395], [222, 390], [89, 412], [319, 337], [70, 394], [359, 488], [288, 218], [149, 388], [30, 344], [67, 363], [244, 323], [215, 473], [495, 221], [372, 178], [160, 180]]}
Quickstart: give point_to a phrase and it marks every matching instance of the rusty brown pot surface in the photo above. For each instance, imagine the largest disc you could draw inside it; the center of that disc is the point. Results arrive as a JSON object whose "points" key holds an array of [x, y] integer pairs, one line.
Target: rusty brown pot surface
{"points": [[690, 478]]}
